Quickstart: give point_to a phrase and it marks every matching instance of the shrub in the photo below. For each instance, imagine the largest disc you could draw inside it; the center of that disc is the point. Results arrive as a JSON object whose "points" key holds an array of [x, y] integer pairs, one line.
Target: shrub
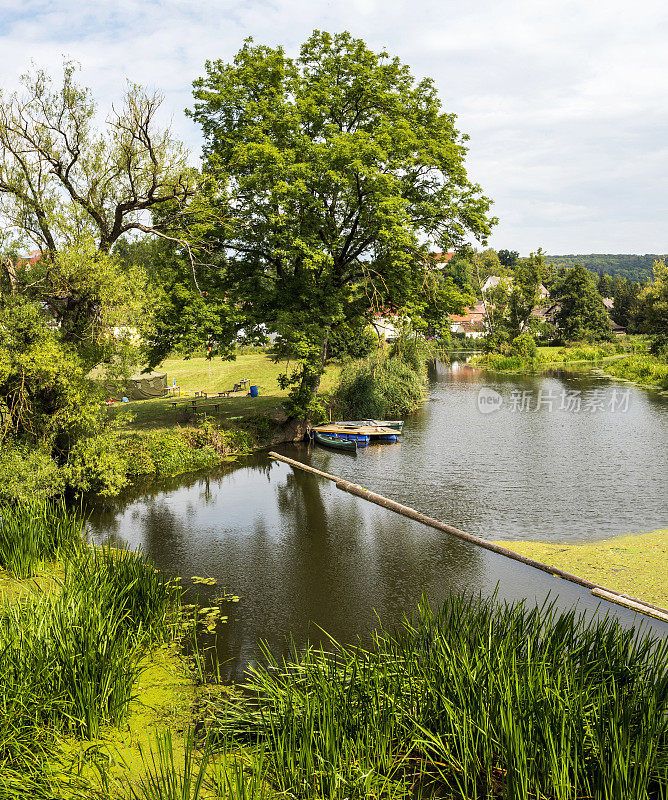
{"points": [[378, 387], [524, 346], [28, 472]]}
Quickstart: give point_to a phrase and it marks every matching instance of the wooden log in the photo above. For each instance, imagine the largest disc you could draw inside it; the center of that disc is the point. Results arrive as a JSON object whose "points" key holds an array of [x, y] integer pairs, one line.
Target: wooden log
{"points": [[353, 488], [634, 605], [304, 467], [599, 591]]}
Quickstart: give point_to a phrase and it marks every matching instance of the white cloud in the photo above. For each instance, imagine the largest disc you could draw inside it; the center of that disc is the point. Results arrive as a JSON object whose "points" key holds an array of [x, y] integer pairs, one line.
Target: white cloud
{"points": [[565, 101]]}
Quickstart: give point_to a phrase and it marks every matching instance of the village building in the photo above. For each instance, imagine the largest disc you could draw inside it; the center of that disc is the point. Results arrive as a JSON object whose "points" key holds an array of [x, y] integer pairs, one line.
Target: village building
{"points": [[493, 281]]}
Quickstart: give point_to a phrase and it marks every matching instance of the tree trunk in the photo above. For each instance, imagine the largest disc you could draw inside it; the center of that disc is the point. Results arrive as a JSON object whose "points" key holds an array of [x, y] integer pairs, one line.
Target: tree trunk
{"points": [[311, 376]]}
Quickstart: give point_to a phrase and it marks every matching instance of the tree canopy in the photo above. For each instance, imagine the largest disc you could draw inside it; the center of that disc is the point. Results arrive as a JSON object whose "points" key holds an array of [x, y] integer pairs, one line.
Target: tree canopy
{"points": [[582, 314], [60, 175], [342, 173], [654, 307]]}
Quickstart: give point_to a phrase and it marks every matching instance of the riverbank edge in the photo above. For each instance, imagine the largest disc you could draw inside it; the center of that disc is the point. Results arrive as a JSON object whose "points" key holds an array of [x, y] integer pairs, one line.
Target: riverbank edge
{"points": [[630, 564], [600, 365]]}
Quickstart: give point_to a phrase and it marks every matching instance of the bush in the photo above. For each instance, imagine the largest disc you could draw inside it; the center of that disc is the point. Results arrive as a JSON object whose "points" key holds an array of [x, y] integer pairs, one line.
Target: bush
{"points": [[167, 453], [28, 472], [524, 346], [378, 387]]}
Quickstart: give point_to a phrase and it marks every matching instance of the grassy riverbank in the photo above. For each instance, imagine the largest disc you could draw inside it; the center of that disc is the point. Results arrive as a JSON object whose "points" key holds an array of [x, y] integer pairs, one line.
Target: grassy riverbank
{"points": [[626, 359], [193, 375], [634, 564], [646, 370], [163, 439]]}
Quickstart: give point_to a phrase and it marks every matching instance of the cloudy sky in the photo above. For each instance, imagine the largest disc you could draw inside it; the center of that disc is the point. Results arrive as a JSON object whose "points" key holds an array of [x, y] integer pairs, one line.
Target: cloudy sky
{"points": [[565, 101]]}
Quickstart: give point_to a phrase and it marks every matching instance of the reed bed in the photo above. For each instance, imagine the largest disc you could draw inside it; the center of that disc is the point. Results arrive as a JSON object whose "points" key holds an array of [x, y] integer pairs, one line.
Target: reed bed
{"points": [[38, 531], [476, 701], [70, 657], [204, 772]]}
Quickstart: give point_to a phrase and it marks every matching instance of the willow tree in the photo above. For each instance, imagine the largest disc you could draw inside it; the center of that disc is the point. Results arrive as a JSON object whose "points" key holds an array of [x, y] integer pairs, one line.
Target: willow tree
{"points": [[342, 174], [74, 181]]}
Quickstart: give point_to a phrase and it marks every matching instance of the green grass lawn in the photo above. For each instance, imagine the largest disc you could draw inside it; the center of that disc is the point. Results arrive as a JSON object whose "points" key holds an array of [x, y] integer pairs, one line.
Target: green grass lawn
{"points": [[198, 374]]}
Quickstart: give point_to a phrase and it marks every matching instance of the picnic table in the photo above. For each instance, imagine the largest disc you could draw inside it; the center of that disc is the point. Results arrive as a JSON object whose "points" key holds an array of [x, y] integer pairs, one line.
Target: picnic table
{"points": [[192, 400], [196, 403], [240, 384]]}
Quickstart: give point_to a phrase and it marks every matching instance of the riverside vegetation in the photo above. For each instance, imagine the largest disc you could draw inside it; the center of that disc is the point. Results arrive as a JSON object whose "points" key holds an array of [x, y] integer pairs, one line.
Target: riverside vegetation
{"points": [[628, 359], [475, 700]]}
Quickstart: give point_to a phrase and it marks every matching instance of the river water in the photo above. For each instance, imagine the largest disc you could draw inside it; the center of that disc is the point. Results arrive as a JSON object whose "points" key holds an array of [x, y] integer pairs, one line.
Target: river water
{"points": [[563, 457]]}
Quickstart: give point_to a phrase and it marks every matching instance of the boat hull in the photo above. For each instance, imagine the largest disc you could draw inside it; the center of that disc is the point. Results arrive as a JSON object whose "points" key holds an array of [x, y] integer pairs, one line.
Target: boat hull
{"points": [[335, 442], [395, 424]]}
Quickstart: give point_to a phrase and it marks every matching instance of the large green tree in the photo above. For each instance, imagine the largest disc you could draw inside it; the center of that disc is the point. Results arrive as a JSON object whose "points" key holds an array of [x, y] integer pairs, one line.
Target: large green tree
{"points": [[582, 314], [653, 314], [342, 173]]}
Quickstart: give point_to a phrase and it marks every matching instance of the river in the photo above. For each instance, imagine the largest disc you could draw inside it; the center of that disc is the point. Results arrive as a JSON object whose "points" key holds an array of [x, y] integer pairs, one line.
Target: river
{"points": [[564, 457]]}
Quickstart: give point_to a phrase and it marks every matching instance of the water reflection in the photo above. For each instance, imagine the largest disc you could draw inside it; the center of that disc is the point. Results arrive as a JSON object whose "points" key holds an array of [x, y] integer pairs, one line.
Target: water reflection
{"points": [[525, 474], [304, 554]]}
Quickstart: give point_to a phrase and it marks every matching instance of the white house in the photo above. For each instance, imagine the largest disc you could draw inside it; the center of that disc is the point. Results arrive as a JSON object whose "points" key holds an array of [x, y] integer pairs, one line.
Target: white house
{"points": [[494, 281]]}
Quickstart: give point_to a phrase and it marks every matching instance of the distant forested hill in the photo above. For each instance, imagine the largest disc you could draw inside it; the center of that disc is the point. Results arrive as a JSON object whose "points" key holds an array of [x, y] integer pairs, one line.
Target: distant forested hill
{"points": [[632, 267]]}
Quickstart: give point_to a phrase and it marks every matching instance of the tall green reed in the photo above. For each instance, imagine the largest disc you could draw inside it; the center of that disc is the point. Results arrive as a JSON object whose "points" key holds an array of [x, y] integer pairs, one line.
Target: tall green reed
{"points": [[201, 772], [70, 659], [38, 531], [480, 699]]}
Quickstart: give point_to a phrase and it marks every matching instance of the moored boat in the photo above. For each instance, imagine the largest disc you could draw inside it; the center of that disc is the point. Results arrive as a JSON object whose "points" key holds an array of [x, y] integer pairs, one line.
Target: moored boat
{"points": [[362, 434], [395, 424], [332, 441]]}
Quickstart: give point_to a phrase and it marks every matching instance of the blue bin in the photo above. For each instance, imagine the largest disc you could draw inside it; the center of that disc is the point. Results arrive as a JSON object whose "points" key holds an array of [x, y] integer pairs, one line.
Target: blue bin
{"points": [[253, 391]]}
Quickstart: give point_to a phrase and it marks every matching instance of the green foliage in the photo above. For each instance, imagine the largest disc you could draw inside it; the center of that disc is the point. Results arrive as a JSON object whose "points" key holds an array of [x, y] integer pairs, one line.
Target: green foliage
{"points": [[648, 370], [349, 341], [44, 395], [653, 314], [168, 453], [36, 531], [582, 315], [508, 257], [504, 363], [476, 700], [586, 352], [186, 315], [343, 173], [379, 387], [632, 267], [524, 346], [98, 463], [97, 300], [28, 472]]}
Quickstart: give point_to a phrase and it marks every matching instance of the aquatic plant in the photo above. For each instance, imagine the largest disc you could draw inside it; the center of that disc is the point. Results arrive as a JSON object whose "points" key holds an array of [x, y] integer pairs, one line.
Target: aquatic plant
{"points": [[203, 771], [477, 700], [37, 531]]}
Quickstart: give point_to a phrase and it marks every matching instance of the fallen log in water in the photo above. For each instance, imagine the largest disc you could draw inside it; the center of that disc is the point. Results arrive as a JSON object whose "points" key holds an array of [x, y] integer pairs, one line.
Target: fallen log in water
{"points": [[598, 591]]}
